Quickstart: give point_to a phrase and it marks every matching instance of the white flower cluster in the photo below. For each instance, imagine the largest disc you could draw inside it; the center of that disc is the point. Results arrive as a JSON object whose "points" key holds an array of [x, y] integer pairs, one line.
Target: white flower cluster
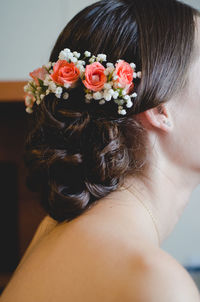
{"points": [[107, 94], [99, 58], [33, 91]]}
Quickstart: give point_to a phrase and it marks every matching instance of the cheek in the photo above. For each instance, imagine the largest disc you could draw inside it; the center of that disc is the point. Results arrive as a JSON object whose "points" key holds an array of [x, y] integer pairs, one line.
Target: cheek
{"points": [[185, 137], [184, 140]]}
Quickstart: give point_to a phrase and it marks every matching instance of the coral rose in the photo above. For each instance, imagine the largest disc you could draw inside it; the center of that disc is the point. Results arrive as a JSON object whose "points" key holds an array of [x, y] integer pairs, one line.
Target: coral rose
{"points": [[125, 74], [65, 72], [39, 73], [95, 77]]}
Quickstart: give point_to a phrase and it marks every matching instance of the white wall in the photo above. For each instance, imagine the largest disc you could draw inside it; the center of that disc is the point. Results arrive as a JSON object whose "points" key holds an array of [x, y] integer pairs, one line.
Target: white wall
{"points": [[28, 31], [195, 3]]}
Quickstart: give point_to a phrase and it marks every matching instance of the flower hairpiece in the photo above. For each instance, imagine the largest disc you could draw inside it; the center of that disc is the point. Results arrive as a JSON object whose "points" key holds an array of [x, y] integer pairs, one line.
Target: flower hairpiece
{"points": [[102, 84]]}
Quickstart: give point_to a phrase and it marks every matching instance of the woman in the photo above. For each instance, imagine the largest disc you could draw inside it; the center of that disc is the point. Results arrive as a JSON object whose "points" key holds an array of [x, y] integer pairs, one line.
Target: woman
{"points": [[114, 180]]}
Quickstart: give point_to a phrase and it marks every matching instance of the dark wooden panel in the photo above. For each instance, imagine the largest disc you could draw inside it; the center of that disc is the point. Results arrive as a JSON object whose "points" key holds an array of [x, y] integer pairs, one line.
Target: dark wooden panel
{"points": [[18, 226], [9, 248]]}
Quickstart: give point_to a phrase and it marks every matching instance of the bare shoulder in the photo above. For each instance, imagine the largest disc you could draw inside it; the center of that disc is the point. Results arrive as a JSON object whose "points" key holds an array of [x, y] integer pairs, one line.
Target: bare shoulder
{"points": [[157, 276], [44, 227]]}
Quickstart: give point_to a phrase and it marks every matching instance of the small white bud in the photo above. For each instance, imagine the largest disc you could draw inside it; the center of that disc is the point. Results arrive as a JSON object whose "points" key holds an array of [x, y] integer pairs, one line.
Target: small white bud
{"points": [[87, 53], [110, 69], [139, 74], [107, 97], [106, 72], [67, 85], [81, 68], [115, 94], [122, 112], [46, 80], [88, 96], [134, 75], [74, 60], [28, 100], [81, 62], [65, 95], [101, 57], [111, 91], [62, 55], [67, 50], [52, 86], [76, 54], [70, 56], [133, 66], [101, 102], [127, 97], [26, 88], [97, 95], [91, 60], [134, 95], [110, 65], [107, 86], [58, 92], [42, 96], [129, 104], [29, 110]]}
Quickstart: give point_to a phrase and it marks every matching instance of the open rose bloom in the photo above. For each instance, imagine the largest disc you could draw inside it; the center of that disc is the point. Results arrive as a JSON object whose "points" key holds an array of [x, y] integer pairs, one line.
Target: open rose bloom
{"points": [[65, 73]]}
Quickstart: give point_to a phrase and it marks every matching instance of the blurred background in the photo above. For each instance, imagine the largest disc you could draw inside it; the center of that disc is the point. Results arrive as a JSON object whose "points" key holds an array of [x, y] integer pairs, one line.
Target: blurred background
{"points": [[28, 31]]}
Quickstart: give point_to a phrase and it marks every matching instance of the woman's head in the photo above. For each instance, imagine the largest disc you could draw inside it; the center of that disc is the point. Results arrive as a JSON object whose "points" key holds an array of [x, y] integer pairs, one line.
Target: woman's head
{"points": [[78, 154]]}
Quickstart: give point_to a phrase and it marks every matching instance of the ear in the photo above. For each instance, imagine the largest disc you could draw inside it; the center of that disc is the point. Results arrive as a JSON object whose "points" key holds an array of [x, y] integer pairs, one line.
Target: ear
{"points": [[158, 117]]}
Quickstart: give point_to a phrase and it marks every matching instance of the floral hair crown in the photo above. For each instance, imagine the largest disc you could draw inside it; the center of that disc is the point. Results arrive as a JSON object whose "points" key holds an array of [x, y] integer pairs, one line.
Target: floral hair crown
{"points": [[103, 84]]}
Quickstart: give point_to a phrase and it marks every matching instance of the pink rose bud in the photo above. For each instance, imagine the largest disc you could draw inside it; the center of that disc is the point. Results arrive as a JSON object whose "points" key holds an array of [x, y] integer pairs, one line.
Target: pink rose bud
{"points": [[39, 73], [94, 76], [124, 73]]}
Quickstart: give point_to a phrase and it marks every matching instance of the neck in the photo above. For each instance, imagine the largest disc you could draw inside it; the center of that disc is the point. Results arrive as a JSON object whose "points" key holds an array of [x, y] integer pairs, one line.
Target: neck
{"points": [[165, 192]]}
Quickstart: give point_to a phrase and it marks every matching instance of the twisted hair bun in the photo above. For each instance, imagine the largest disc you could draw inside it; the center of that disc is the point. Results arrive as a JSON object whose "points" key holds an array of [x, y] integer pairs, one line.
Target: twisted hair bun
{"points": [[75, 159]]}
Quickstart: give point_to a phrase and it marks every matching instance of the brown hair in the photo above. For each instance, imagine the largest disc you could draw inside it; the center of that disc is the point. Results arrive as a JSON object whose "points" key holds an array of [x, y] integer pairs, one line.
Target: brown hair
{"points": [[77, 153]]}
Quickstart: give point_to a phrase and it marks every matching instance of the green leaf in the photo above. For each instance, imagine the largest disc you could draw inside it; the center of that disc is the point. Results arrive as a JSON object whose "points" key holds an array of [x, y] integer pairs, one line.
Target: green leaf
{"points": [[40, 82], [110, 76]]}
